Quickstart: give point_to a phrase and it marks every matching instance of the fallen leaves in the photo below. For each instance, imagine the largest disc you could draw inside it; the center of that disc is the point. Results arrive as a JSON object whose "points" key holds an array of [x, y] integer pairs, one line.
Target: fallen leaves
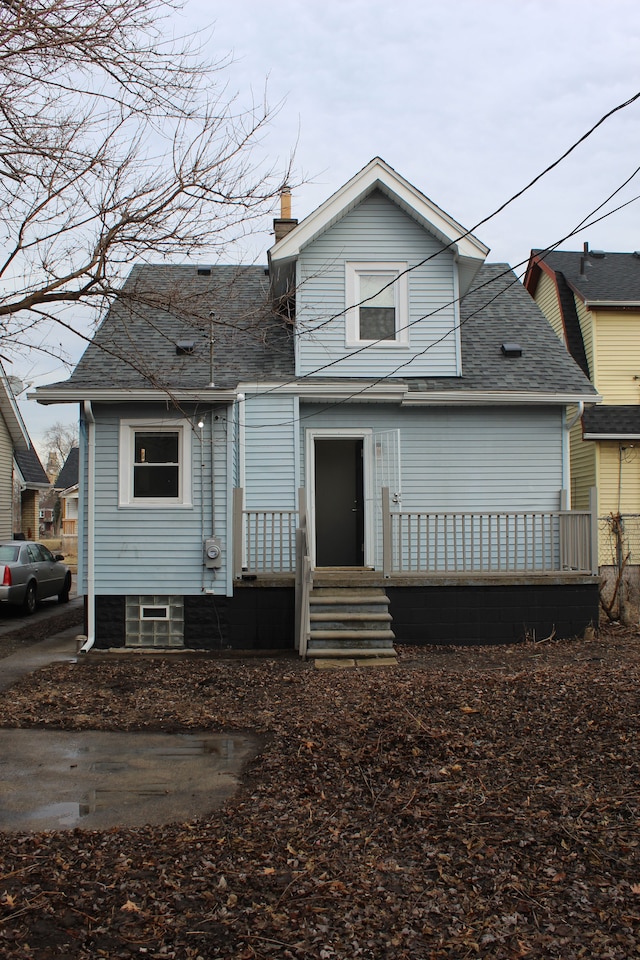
{"points": [[469, 804]]}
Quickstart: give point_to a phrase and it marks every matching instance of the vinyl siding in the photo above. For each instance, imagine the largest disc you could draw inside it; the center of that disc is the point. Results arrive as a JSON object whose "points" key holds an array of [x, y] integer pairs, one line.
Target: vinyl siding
{"points": [[6, 482], [618, 356], [376, 230], [158, 550], [618, 491], [583, 467], [547, 299], [586, 321], [470, 458], [271, 452]]}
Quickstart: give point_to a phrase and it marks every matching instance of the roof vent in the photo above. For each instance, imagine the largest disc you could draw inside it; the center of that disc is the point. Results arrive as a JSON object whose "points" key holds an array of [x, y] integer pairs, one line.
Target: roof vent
{"points": [[184, 347], [511, 349], [597, 254], [636, 253], [204, 271]]}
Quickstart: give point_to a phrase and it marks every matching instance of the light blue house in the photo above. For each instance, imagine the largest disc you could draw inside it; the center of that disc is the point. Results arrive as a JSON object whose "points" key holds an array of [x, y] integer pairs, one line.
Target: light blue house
{"points": [[365, 442]]}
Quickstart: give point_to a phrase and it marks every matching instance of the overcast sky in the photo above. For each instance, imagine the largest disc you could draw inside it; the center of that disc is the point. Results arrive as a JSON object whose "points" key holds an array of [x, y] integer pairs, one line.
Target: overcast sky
{"points": [[468, 99]]}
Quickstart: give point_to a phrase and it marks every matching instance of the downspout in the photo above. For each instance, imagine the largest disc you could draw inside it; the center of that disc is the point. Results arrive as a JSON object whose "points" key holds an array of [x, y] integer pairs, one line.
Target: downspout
{"points": [[566, 456], [91, 579]]}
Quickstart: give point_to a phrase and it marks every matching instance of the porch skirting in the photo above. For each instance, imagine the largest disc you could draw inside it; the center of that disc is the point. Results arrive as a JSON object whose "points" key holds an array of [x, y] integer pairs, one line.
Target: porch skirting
{"points": [[464, 611]]}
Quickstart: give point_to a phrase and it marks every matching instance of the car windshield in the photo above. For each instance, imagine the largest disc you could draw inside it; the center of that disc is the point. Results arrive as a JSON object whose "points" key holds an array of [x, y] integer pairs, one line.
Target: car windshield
{"points": [[8, 553]]}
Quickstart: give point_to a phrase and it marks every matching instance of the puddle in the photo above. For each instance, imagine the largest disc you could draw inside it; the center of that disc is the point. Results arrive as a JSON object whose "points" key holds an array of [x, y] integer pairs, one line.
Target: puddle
{"points": [[59, 781]]}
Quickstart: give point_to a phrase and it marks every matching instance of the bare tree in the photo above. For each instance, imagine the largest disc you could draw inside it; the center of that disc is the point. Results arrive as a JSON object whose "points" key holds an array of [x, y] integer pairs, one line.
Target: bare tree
{"points": [[116, 144], [59, 440]]}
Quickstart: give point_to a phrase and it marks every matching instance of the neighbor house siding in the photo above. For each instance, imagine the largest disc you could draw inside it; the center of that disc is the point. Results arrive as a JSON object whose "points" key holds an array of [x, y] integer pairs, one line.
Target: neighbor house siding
{"points": [[583, 468], [146, 550], [6, 482], [618, 353], [618, 491], [547, 299], [586, 319], [465, 459], [376, 230]]}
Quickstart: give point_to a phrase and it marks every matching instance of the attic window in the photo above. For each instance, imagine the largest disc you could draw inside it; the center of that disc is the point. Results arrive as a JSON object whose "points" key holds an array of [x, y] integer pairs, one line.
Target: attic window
{"points": [[184, 347], [377, 303], [204, 271], [511, 349]]}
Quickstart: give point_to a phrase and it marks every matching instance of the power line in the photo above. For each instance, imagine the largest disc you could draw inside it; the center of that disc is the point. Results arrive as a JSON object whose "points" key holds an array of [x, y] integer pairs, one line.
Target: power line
{"points": [[584, 223]]}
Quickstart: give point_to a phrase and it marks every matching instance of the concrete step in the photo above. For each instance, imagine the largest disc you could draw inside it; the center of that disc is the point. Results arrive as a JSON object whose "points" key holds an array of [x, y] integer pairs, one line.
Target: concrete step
{"points": [[348, 622], [340, 596], [352, 637], [345, 621], [354, 653]]}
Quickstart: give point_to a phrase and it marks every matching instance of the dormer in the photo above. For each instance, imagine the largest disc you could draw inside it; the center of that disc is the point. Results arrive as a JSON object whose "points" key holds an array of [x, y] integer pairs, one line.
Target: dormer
{"points": [[377, 272]]}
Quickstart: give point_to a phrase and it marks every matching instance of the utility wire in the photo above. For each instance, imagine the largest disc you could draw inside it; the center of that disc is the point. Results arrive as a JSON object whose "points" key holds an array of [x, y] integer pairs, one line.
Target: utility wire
{"points": [[480, 223], [586, 222]]}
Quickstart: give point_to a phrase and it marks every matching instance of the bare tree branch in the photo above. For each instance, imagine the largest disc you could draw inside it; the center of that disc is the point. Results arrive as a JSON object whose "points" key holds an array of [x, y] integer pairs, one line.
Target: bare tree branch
{"points": [[116, 145]]}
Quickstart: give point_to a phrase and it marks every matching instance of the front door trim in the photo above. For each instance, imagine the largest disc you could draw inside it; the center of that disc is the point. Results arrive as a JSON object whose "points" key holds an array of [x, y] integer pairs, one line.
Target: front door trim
{"points": [[341, 433]]}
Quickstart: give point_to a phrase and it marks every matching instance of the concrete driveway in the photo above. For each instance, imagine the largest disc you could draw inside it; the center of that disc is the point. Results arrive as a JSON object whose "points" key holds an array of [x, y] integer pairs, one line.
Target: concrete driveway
{"points": [[60, 780]]}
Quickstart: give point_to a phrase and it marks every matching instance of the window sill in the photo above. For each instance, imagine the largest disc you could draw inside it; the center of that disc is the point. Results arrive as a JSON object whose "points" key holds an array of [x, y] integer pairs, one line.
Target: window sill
{"points": [[154, 505]]}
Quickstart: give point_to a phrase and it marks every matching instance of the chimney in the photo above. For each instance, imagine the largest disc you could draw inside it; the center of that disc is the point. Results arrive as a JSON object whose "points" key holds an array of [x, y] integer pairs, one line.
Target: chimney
{"points": [[285, 223]]}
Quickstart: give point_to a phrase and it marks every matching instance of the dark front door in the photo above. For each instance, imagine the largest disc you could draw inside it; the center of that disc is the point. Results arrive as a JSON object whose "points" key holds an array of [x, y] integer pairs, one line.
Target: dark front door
{"points": [[339, 502]]}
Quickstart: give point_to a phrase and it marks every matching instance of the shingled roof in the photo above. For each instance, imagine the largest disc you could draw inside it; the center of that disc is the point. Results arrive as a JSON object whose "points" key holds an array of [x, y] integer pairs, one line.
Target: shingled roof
{"points": [[162, 324], [31, 469], [68, 476], [499, 310], [597, 276], [611, 422], [157, 334]]}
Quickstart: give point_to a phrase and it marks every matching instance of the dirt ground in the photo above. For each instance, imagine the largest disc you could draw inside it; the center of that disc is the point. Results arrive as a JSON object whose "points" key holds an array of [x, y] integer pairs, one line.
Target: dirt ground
{"points": [[468, 803]]}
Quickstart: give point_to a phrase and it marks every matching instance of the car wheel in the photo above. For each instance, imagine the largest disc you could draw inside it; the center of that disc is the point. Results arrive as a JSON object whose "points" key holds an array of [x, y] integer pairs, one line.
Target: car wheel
{"points": [[30, 599], [63, 596]]}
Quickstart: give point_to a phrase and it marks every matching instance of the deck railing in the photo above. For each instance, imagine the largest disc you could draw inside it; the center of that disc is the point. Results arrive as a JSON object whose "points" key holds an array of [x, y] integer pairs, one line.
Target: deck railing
{"points": [[267, 542], [264, 541], [501, 543]]}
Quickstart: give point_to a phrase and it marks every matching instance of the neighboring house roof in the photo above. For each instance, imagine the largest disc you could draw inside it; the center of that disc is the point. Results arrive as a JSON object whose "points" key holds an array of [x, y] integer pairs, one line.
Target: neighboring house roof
{"points": [[252, 344], [11, 414], [31, 469], [68, 476], [378, 175], [610, 422], [597, 277]]}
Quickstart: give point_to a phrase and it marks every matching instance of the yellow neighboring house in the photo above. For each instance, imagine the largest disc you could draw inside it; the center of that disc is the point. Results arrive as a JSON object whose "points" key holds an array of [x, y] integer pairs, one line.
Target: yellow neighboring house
{"points": [[592, 300]]}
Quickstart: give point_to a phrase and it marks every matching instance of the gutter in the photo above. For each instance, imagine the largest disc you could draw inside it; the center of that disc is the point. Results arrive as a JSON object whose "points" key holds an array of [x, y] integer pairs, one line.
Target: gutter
{"points": [[91, 484]]}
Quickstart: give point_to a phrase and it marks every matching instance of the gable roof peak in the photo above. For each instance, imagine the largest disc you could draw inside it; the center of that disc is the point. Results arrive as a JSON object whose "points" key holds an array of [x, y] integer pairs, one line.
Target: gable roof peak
{"points": [[379, 175]]}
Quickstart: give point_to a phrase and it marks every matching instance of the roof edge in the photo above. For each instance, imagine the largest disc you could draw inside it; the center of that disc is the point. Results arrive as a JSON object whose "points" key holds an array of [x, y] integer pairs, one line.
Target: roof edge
{"points": [[375, 173]]}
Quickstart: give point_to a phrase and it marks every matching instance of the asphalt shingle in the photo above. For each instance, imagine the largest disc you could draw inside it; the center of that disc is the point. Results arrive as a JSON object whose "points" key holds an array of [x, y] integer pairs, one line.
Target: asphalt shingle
{"points": [[617, 422], [161, 306], [610, 278]]}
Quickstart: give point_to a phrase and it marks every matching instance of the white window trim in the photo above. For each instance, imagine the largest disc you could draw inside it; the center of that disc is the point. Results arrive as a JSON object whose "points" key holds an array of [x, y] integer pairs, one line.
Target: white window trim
{"points": [[401, 292], [128, 430], [154, 606]]}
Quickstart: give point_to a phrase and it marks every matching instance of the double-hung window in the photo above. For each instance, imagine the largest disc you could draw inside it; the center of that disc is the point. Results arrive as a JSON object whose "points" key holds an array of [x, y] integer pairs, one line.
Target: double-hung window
{"points": [[155, 463], [377, 298]]}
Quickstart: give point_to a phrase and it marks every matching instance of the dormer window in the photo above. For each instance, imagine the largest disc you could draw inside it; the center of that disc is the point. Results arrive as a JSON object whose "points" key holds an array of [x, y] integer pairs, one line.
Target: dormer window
{"points": [[377, 298]]}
